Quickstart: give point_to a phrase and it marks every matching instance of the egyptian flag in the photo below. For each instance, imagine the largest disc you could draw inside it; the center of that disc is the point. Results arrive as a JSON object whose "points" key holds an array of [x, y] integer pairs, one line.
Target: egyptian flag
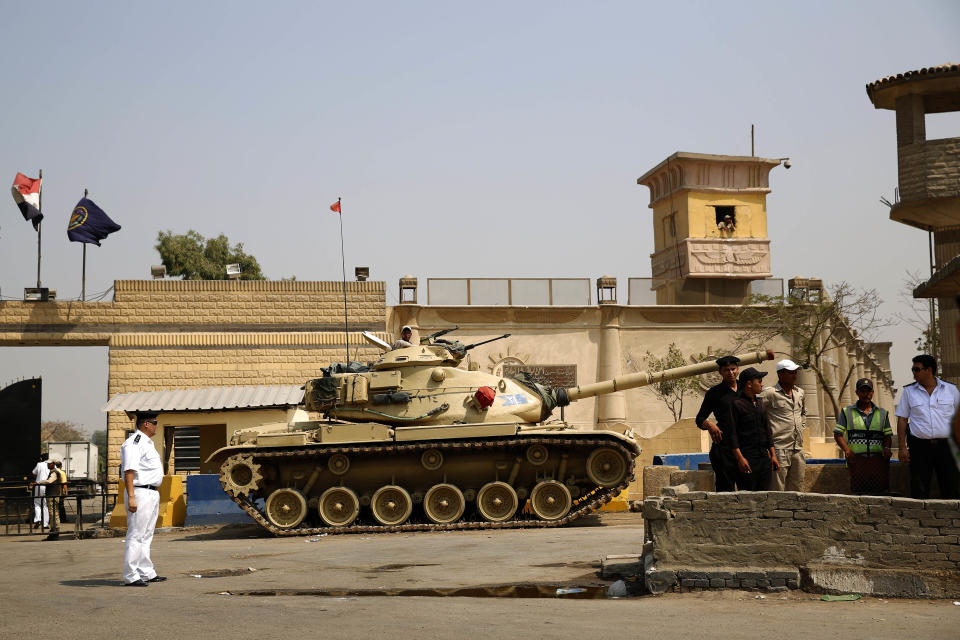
{"points": [[26, 193], [89, 223]]}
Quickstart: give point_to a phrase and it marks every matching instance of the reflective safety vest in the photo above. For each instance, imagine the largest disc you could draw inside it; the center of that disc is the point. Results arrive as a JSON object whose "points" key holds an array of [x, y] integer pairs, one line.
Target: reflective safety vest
{"points": [[861, 438]]}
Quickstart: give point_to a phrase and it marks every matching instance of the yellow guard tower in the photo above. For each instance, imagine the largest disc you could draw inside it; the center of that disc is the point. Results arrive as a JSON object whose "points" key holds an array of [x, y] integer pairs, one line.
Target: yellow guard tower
{"points": [[709, 225]]}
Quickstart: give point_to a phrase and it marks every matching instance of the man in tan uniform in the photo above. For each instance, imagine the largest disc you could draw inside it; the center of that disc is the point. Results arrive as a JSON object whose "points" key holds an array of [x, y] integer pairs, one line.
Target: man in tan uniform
{"points": [[787, 414]]}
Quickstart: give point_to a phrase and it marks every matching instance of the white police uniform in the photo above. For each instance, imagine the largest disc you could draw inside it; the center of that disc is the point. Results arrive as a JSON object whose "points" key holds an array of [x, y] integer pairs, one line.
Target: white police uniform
{"points": [[138, 454], [41, 473]]}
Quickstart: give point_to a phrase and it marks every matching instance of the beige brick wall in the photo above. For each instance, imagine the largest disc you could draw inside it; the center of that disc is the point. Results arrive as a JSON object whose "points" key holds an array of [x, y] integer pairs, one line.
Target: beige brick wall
{"points": [[175, 334], [929, 169], [158, 306]]}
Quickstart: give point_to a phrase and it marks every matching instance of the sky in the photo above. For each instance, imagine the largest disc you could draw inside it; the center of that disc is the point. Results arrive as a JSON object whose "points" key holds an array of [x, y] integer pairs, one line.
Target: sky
{"points": [[495, 139]]}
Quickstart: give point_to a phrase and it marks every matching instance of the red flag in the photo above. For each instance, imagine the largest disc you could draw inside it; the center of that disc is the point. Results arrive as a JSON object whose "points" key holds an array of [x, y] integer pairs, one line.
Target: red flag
{"points": [[26, 193], [335, 207]]}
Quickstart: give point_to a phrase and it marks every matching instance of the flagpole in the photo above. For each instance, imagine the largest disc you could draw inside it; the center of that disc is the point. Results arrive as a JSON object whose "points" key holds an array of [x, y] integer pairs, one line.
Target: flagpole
{"points": [[39, 225], [83, 282], [343, 266]]}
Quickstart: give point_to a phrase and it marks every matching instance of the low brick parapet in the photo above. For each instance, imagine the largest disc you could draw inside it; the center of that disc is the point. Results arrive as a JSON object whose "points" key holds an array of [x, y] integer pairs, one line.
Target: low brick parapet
{"points": [[764, 531]]}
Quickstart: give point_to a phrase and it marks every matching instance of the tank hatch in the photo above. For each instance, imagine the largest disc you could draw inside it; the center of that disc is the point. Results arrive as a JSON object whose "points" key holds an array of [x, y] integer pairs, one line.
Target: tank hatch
{"points": [[416, 356]]}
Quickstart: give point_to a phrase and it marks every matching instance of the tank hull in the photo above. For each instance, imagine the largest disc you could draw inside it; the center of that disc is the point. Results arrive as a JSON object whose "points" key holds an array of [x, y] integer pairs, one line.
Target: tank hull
{"points": [[532, 478]]}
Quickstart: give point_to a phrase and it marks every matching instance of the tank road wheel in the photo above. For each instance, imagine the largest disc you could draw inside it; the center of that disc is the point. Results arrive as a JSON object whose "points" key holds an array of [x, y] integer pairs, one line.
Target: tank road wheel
{"points": [[391, 505], [240, 475], [606, 467], [444, 503], [338, 506], [550, 500], [497, 501], [286, 508]]}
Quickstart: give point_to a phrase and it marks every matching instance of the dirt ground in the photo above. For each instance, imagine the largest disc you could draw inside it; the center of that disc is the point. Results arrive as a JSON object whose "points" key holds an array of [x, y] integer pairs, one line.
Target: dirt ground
{"points": [[71, 589]]}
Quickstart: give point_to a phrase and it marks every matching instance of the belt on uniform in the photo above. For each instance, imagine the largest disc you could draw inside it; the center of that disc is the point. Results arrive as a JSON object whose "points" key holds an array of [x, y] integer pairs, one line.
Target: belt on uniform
{"points": [[146, 486]]}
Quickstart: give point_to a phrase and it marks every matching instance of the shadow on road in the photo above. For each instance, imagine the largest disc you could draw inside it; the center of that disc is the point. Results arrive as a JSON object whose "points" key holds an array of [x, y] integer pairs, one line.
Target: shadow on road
{"points": [[227, 532], [93, 582]]}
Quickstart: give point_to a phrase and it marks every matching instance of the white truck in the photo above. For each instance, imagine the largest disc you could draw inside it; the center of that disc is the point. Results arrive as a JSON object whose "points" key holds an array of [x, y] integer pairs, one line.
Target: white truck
{"points": [[79, 459]]}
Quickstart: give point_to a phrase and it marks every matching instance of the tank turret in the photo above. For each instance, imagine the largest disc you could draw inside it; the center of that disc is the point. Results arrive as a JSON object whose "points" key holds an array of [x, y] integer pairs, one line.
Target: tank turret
{"points": [[413, 442]]}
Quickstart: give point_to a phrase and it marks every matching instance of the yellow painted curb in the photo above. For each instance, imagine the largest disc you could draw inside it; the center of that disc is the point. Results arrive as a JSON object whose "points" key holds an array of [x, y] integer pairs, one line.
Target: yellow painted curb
{"points": [[619, 503]]}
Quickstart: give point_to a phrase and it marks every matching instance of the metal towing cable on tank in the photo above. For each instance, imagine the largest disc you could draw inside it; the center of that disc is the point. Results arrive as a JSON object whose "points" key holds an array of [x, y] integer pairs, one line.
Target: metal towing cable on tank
{"points": [[413, 442]]}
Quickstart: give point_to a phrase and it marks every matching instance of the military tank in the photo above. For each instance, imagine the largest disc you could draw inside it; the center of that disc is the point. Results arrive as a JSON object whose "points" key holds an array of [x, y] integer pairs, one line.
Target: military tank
{"points": [[413, 443]]}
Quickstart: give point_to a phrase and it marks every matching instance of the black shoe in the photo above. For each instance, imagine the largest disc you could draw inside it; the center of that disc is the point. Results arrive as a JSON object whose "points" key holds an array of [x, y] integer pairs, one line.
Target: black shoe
{"points": [[136, 583], [36, 525], [157, 579], [52, 537]]}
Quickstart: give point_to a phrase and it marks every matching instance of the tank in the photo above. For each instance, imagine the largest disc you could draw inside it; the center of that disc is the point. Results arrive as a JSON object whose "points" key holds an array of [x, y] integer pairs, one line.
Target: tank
{"points": [[412, 442]]}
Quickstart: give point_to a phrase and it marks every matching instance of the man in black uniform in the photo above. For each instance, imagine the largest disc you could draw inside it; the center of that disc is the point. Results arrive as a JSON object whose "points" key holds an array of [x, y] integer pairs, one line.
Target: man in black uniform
{"points": [[749, 433], [721, 456]]}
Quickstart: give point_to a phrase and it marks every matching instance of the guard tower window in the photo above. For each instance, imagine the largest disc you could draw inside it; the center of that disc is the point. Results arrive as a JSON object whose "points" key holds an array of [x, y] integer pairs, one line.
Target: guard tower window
{"points": [[726, 217]]}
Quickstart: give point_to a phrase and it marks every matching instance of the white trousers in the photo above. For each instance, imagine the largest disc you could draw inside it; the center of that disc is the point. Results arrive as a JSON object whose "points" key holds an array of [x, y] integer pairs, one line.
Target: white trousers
{"points": [[140, 525], [40, 507]]}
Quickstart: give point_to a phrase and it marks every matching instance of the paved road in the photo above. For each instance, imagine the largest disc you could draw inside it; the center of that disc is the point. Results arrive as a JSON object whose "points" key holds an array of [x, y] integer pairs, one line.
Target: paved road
{"points": [[70, 589]]}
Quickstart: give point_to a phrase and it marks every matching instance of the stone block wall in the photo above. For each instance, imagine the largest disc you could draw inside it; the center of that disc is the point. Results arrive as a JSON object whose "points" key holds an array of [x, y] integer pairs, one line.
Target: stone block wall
{"points": [[777, 531], [929, 169]]}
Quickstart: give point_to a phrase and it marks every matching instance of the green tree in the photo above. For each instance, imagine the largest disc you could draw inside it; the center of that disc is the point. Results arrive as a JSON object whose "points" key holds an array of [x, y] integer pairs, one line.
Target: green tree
{"points": [[671, 392], [60, 430], [197, 258], [99, 438], [818, 327]]}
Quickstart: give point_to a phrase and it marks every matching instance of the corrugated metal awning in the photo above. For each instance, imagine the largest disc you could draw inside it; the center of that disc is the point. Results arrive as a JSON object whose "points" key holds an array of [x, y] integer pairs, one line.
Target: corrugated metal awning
{"points": [[208, 399]]}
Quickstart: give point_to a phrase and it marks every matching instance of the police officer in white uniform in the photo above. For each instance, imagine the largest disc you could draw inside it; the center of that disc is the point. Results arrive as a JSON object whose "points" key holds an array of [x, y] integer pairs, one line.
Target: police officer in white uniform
{"points": [[40, 513], [142, 474], [924, 416]]}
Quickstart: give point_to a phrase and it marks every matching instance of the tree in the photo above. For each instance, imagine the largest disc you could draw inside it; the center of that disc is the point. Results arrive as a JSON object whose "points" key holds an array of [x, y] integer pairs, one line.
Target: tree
{"points": [[671, 392], [818, 327], [59, 430], [99, 438], [197, 258], [923, 316]]}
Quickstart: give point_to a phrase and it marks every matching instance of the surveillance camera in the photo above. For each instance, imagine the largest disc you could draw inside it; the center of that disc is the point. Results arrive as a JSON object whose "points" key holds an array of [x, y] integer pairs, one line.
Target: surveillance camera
{"points": [[786, 164]]}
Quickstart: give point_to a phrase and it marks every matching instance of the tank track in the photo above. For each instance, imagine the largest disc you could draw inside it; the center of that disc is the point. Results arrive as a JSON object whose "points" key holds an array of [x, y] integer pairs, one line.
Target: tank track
{"points": [[582, 506]]}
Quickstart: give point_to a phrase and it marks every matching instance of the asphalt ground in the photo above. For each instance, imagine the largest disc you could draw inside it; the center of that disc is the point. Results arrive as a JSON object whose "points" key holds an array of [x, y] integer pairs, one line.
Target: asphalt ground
{"points": [[72, 589]]}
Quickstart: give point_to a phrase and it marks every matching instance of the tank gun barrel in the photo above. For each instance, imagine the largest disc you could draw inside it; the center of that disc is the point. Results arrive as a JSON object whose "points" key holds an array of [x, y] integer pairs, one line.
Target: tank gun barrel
{"points": [[477, 344], [644, 378]]}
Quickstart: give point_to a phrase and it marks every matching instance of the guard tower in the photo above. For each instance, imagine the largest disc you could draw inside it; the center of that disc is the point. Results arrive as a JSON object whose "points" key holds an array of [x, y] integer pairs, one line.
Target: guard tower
{"points": [[928, 196], [709, 226]]}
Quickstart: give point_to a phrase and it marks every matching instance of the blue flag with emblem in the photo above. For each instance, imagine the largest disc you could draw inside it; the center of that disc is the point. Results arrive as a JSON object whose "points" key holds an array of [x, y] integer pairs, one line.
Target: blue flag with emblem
{"points": [[89, 223]]}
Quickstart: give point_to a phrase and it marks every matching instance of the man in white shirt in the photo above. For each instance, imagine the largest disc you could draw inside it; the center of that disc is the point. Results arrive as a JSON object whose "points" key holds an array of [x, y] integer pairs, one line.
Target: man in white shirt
{"points": [[142, 474], [924, 417], [40, 513], [405, 340]]}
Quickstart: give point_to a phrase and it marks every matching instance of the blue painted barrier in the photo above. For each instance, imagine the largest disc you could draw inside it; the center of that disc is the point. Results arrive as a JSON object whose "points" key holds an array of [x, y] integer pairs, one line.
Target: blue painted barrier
{"points": [[685, 461], [207, 503]]}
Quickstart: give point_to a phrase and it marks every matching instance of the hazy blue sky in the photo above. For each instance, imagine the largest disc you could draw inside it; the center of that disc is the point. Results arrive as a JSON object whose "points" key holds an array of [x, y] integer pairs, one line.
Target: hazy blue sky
{"points": [[466, 139]]}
